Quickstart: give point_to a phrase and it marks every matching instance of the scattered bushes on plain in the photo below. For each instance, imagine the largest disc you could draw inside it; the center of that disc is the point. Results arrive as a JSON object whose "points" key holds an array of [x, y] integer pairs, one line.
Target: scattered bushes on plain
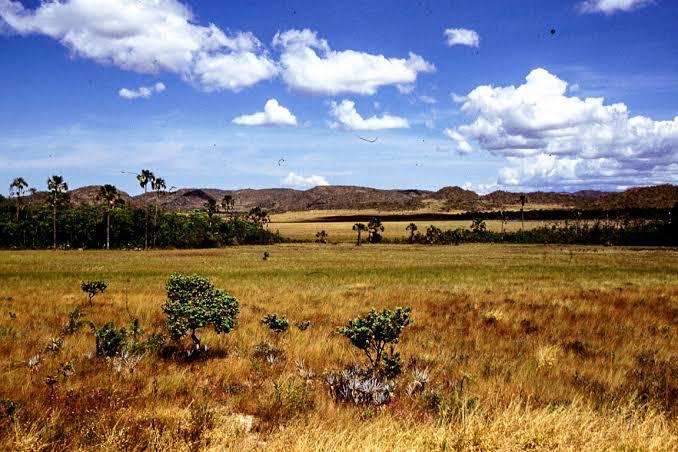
{"points": [[193, 303]]}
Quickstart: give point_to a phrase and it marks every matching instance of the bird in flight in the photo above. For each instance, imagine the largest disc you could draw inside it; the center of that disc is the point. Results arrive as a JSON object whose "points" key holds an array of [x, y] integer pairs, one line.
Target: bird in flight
{"points": [[367, 139]]}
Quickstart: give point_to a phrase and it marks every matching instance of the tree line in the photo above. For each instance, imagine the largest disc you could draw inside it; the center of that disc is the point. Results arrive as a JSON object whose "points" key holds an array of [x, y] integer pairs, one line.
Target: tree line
{"points": [[621, 232], [27, 222]]}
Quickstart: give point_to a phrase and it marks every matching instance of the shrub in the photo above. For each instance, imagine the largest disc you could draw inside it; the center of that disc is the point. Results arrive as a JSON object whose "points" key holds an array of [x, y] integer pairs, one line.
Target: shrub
{"points": [[193, 303], [374, 330], [110, 340], [276, 324], [76, 321], [303, 325], [268, 353], [393, 365], [92, 288], [321, 237]]}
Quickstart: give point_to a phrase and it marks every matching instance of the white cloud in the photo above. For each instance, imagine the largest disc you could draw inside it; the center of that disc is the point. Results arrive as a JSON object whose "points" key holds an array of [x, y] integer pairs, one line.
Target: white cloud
{"points": [[347, 116], [297, 180], [457, 98], [428, 100], [309, 65], [462, 36], [146, 36], [143, 91], [612, 6], [463, 146], [553, 140], [274, 114]]}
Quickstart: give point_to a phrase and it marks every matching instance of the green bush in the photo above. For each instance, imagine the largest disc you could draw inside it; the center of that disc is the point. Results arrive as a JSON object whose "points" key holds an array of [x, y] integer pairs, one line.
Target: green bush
{"points": [[92, 288], [193, 303], [110, 340], [374, 330], [276, 324]]}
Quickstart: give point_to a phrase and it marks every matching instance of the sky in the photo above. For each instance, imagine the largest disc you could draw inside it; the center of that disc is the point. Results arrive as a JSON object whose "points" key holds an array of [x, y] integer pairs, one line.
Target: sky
{"points": [[518, 95]]}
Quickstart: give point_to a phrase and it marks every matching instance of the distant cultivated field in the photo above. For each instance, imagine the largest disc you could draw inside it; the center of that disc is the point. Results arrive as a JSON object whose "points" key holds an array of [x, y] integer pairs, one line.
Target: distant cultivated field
{"points": [[342, 232], [528, 347]]}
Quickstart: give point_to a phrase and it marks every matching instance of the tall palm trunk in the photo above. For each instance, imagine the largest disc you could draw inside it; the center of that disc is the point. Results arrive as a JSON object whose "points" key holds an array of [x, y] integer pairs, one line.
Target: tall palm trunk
{"points": [[155, 221], [54, 224], [146, 222], [108, 230]]}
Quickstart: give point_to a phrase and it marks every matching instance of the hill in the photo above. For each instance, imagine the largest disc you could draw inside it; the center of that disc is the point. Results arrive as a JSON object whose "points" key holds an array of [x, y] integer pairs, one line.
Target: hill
{"points": [[361, 198]]}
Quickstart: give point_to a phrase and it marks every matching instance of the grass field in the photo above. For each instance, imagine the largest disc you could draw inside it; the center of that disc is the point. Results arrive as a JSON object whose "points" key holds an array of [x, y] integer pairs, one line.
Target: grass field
{"points": [[528, 347], [342, 231]]}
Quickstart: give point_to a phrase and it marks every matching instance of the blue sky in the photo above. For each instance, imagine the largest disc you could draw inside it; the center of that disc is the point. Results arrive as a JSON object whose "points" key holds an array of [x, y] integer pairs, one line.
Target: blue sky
{"points": [[557, 95]]}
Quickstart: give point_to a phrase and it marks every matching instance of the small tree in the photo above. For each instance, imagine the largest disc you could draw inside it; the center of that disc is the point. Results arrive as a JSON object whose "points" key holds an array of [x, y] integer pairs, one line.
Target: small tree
{"points": [[158, 185], [374, 330], [92, 288], [478, 225], [211, 208], [57, 187], [413, 229], [193, 302], [374, 230], [258, 217], [145, 177], [359, 228], [276, 324], [321, 237], [228, 203]]}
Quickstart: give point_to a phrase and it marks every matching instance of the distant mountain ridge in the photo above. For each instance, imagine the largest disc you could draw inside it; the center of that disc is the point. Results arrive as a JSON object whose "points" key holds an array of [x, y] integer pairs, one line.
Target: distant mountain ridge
{"points": [[338, 197]]}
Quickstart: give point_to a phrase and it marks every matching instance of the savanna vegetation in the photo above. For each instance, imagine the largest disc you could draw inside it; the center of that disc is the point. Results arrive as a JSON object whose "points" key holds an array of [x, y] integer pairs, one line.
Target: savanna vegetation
{"points": [[53, 222], [317, 347]]}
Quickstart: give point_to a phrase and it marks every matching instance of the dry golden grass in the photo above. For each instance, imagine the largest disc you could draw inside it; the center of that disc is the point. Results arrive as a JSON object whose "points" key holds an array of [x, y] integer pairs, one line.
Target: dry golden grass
{"points": [[342, 231], [569, 348]]}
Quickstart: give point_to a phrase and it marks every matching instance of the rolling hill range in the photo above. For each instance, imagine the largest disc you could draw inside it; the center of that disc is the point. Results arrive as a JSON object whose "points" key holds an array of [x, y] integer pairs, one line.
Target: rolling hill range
{"points": [[362, 198]]}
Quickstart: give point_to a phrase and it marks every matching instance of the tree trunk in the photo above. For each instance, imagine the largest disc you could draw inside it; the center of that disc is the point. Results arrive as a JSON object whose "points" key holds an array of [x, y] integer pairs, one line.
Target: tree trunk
{"points": [[196, 341], [146, 222], [155, 220], [522, 219], [108, 230], [54, 224]]}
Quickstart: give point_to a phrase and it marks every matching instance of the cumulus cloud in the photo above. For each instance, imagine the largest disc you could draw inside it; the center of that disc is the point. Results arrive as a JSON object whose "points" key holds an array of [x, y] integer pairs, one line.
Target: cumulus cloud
{"points": [[463, 146], [551, 139], [347, 116], [309, 65], [462, 37], [143, 91], [274, 114], [296, 180], [146, 36], [612, 6]]}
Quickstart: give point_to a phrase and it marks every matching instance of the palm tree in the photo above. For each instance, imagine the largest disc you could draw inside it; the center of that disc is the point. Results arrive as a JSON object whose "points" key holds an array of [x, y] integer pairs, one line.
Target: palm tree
{"points": [[158, 185], [321, 236], [228, 203], [523, 201], [412, 228], [110, 196], [144, 178], [374, 227], [18, 188], [211, 208], [359, 227], [57, 188]]}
